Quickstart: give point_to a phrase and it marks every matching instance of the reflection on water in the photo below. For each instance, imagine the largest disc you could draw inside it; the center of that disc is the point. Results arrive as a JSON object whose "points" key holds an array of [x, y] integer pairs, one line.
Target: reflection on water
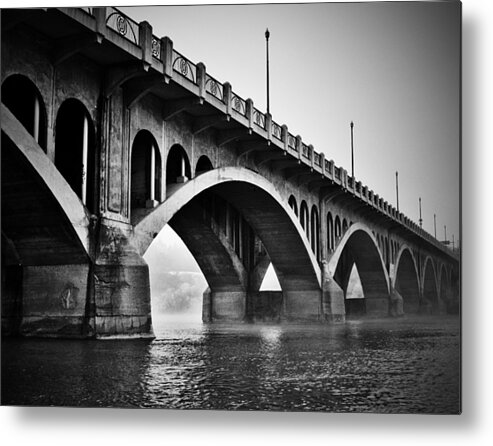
{"points": [[388, 365]]}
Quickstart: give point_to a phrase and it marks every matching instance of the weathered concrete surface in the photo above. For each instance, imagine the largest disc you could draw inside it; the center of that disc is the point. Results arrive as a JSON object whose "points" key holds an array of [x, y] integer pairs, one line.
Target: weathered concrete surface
{"points": [[266, 306], [122, 295], [396, 304], [333, 305], [302, 305], [54, 299], [228, 306]]}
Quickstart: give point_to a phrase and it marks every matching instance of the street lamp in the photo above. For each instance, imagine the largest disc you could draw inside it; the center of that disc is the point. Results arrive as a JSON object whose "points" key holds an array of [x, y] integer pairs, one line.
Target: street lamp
{"points": [[267, 35]]}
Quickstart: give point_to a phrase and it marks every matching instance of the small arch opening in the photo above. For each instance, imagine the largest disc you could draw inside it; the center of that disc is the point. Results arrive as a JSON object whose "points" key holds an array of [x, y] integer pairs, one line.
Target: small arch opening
{"points": [[23, 99], [204, 164], [292, 204], [304, 218], [75, 150], [315, 231], [177, 165], [330, 232], [337, 229], [145, 185]]}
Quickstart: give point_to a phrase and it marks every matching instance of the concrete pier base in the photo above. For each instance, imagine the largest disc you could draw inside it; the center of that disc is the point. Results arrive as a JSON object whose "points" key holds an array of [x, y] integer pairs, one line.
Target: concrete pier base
{"points": [[54, 301], [121, 306], [377, 306], [396, 304], [302, 305], [333, 305], [228, 306]]}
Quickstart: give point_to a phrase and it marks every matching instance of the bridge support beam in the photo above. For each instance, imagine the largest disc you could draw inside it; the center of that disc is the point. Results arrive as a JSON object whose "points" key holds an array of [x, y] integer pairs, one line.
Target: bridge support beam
{"points": [[396, 303], [224, 306], [122, 294], [301, 305], [333, 306]]}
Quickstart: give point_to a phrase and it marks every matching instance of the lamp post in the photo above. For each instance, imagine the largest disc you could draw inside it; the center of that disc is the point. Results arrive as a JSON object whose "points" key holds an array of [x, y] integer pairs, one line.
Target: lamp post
{"points": [[267, 35], [397, 188], [435, 224], [352, 151], [420, 219]]}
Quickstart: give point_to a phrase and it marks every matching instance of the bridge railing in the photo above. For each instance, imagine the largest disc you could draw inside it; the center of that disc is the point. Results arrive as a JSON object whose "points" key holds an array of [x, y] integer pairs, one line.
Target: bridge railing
{"points": [[122, 24], [239, 104], [182, 66], [259, 118], [156, 47], [214, 88]]}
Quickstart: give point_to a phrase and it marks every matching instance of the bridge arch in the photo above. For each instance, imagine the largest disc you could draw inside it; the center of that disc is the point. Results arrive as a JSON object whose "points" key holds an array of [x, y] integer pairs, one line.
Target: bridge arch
{"points": [[429, 284], [145, 171], [406, 280], [24, 100], [204, 164], [54, 207], [75, 150], [358, 246], [177, 165], [264, 210]]}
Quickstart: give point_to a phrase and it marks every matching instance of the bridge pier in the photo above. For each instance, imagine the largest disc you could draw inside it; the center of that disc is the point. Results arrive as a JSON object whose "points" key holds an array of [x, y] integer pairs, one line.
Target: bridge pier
{"points": [[301, 305], [333, 305], [122, 295], [54, 301]]}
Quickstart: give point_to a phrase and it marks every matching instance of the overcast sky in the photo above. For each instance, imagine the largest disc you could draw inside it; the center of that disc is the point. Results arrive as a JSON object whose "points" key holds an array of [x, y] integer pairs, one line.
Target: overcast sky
{"points": [[391, 67]]}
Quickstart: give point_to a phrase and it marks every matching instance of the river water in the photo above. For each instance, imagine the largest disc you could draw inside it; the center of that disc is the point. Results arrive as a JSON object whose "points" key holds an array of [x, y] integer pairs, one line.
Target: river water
{"points": [[406, 365]]}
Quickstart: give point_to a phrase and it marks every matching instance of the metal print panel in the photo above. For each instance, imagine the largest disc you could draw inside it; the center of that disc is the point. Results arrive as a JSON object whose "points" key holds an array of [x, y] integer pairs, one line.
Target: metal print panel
{"points": [[232, 207]]}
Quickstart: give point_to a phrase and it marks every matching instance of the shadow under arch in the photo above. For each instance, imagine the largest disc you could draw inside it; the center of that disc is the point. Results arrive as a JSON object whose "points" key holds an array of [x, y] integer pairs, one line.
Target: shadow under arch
{"points": [[52, 204], [75, 150], [429, 286], [406, 280], [145, 171], [268, 215], [358, 246], [444, 282]]}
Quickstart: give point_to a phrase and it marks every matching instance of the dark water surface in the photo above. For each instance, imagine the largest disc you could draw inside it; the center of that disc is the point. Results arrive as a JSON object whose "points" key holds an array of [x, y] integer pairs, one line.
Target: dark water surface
{"points": [[388, 365]]}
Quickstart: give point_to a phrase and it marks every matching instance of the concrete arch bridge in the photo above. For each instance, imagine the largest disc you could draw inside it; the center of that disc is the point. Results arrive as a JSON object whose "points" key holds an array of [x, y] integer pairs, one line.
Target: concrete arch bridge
{"points": [[109, 134]]}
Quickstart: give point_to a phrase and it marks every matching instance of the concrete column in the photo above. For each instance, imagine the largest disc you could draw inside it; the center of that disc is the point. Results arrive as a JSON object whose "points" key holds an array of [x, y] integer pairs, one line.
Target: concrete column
{"points": [[333, 305], [227, 94], [152, 173], [396, 303], [85, 143], [323, 230], [122, 294], [145, 40], [167, 58], [207, 306], [201, 77], [151, 202], [36, 119]]}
